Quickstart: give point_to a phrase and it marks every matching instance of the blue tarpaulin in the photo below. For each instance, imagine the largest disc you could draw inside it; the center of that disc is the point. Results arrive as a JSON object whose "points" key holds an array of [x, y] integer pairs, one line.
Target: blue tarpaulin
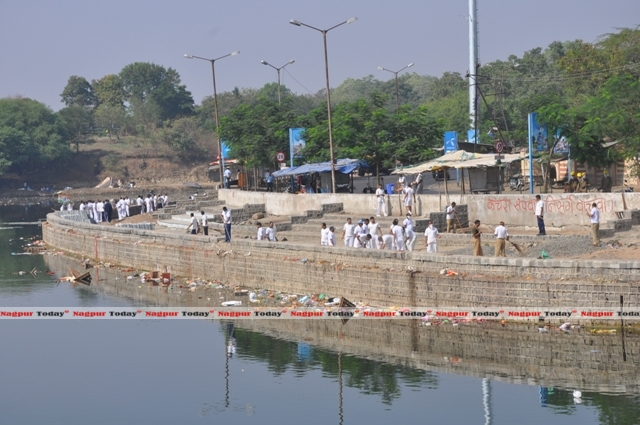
{"points": [[344, 166]]}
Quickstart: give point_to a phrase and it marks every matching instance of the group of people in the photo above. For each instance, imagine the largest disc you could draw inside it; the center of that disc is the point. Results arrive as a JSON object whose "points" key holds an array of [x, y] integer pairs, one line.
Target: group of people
{"points": [[152, 202], [98, 211], [266, 234], [368, 234]]}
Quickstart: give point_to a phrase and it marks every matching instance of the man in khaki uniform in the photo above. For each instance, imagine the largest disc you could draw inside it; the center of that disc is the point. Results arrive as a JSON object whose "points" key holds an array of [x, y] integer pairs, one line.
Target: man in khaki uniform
{"points": [[477, 243]]}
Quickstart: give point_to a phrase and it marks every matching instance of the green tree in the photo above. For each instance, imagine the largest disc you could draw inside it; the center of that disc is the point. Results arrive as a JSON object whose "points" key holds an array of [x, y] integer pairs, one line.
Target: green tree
{"points": [[182, 136], [147, 83], [78, 92], [78, 124], [110, 119], [31, 135], [255, 133], [109, 90]]}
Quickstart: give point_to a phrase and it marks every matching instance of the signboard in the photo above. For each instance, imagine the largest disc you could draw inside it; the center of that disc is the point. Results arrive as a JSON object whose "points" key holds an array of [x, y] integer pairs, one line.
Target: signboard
{"points": [[450, 141], [296, 142], [280, 156], [538, 134], [499, 146], [225, 150]]}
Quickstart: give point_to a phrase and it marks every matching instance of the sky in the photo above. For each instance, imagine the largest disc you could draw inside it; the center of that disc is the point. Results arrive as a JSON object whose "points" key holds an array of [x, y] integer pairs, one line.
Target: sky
{"points": [[44, 42]]}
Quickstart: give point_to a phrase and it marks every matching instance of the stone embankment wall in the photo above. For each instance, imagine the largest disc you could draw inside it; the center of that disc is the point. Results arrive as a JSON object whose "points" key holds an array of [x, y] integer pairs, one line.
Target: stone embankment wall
{"points": [[514, 353], [562, 209], [382, 278]]}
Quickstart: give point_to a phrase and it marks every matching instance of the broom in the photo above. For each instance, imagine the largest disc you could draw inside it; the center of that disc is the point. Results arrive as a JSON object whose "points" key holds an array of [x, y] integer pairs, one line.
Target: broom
{"points": [[515, 245]]}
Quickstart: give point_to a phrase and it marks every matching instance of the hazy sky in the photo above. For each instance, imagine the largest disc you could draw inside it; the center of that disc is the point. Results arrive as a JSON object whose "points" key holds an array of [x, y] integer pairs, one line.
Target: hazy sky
{"points": [[43, 42]]}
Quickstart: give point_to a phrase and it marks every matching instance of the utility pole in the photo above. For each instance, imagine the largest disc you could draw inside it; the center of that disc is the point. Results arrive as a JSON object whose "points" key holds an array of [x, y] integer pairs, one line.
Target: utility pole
{"points": [[473, 67]]}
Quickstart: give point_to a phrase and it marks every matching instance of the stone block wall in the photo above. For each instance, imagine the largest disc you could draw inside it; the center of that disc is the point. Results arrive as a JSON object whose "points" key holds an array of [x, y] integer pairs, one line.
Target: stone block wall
{"points": [[376, 277]]}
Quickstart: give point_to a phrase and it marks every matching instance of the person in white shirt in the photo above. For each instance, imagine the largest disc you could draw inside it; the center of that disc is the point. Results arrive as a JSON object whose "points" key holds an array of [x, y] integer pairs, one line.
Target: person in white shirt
{"points": [[540, 216], [139, 201], [380, 201], [271, 233], [193, 225], [227, 178], [127, 203], [332, 236], [82, 206], [348, 233], [431, 237], [502, 235], [374, 231], [363, 240], [410, 234], [594, 216], [96, 216], [226, 219], [324, 235], [385, 241], [149, 203], [100, 211], [119, 208], [409, 198], [90, 209], [401, 182], [205, 223], [62, 207], [359, 230], [70, 206], [451, 217], [398, 235], [261, 235]]}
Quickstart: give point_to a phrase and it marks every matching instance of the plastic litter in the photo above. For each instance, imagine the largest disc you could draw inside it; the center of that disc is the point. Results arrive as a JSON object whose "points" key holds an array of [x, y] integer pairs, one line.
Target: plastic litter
{"points": [[565, 326], [253, 298], [231, 303], [544, 255]]}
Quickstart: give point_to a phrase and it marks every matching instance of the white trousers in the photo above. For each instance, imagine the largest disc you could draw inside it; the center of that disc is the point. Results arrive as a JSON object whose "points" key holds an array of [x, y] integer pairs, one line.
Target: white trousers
{"points": [[382, 208], [348, 241], [432, 247]]}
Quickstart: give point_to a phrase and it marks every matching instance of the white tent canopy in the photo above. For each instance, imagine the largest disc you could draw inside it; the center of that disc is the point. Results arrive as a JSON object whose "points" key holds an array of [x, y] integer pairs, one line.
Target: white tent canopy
{"points": [[460, 159]]}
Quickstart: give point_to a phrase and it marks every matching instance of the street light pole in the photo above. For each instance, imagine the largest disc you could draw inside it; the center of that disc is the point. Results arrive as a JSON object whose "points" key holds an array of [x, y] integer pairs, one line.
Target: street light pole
{"points": [[397, 85], [215, 103], [278, 70], [326, 68]]}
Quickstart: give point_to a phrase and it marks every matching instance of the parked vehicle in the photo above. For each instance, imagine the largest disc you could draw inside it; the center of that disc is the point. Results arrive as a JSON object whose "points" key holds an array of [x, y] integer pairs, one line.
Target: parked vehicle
{"points": [[516, 182], [440, 175]]}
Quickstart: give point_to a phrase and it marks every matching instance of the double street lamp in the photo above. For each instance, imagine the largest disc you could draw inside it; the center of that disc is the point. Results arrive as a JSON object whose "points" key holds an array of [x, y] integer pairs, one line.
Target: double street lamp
{"points": [[396, 75], [278, 70], [215, 102], [326, 69]]}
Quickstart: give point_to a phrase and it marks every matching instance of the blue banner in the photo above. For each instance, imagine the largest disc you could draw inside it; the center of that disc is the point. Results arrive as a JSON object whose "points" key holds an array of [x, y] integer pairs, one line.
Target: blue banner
{"points": [[296, 142], [450, 141], [471, 136], [225, 150], [562, 144]]}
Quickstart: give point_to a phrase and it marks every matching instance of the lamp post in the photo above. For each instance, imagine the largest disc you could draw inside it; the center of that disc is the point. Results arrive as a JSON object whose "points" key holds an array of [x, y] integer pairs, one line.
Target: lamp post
{"points": [[397, 87], [326, 69], [215, 103], [278, 70]]}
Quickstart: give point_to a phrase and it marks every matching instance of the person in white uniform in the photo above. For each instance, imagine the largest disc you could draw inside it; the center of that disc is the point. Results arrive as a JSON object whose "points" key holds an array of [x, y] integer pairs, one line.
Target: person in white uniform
{"points": [[380, 202], [385, 241], [359, 230], [348, 233], [409, 198], [324, 235], [374, 231], [271, 233], [398, 235], [332, 236], [409, 233], [431, 237], [261, 234], [100, 211]]}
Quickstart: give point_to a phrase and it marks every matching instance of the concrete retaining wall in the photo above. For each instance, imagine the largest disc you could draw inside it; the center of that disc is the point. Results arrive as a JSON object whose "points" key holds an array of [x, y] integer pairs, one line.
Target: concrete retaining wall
{"points": [[563, 209], [375, 277]]}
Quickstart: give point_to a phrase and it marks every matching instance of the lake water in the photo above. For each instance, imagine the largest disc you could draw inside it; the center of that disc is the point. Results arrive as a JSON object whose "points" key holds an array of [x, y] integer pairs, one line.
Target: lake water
{"points": [[178, 372]]}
